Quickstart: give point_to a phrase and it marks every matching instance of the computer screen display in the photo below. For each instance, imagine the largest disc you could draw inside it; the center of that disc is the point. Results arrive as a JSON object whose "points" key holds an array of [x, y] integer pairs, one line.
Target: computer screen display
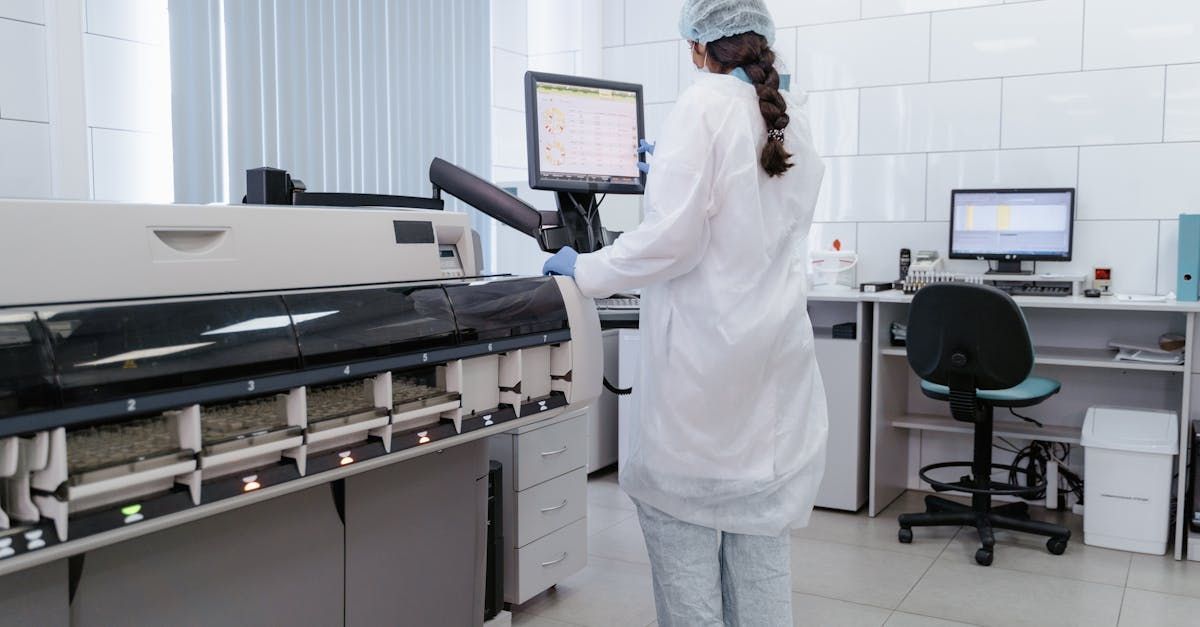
{"points": [[583, 134], [1033, 224]]}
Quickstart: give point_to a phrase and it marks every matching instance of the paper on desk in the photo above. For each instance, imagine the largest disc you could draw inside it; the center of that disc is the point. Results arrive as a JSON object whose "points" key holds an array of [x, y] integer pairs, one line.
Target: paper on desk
{"points": [[1148, 357]]}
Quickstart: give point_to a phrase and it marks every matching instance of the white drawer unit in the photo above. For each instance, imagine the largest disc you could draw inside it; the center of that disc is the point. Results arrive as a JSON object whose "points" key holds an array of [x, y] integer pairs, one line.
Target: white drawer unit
{"points": [[548, 452], [544, 489], [549, 506], [548, 561]]}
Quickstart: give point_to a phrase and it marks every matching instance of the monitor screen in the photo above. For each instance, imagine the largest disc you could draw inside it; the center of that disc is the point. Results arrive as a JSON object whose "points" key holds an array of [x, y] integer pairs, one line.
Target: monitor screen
{"points": [[583, 134], [1033, 224]]}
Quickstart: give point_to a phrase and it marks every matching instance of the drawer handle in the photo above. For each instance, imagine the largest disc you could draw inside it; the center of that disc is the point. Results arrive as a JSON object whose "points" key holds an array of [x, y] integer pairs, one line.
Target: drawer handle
{"points": [[546, 510], [553, 453], [553, 562]]}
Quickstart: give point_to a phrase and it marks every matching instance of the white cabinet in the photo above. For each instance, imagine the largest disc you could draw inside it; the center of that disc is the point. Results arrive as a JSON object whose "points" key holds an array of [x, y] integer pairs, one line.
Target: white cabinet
{"points": [[602, 415], [544, 490], [845, 370], [629, 356]]}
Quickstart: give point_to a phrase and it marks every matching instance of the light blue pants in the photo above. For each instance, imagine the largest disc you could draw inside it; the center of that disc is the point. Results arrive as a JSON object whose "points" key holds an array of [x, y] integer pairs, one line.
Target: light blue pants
{"points": [[707, 578]]}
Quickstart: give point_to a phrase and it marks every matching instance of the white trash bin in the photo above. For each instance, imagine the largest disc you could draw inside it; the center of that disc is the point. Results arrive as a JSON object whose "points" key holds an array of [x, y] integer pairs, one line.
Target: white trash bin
{"points": [[1128, 462]]}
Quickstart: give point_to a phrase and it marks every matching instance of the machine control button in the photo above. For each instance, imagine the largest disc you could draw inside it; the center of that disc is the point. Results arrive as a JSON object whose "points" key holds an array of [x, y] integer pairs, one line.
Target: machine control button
{"points": [[35, 545], [7, 552], [34, 535]]}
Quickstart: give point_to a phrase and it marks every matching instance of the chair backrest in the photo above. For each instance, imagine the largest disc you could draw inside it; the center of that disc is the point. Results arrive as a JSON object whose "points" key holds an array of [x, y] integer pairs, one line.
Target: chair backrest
{"points": [[968, 336]]}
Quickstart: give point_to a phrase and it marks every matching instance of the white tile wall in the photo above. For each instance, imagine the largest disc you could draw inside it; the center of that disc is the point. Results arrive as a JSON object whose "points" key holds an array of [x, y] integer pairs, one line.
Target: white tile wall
{"points": [[867, 189], [785, 50], [508, 85], [968, 93], [613, 28], [653, 20], [833, 117], [1121, 33], [1168, 256], [510, 26], [115, 69], [554, 25], [804, 12], [23, 71], [1047, 167], [1123, 245], [1144, 181], [879, 245], [24, 10], [654, 66], [559, 63], [1030, 38], [24, 159], [135, 20], [130, 166], [938, 116], [887, 51], [1183, 103], [879, 8], [508, 138], [655, 115], [1105, 107]]}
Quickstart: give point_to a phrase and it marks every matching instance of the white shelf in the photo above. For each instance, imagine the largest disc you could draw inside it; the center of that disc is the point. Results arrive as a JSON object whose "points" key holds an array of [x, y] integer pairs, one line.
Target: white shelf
{"points": [[1002, 428], [1074, 357]]}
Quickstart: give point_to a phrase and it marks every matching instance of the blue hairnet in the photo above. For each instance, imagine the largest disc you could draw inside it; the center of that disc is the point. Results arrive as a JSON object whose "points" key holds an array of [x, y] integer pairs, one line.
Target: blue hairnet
{"points": [[709, 20]]}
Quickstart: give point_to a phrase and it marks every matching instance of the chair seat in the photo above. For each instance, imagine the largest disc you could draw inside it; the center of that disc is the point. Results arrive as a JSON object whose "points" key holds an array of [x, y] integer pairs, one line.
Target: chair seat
{"points": [[1031, 391]]}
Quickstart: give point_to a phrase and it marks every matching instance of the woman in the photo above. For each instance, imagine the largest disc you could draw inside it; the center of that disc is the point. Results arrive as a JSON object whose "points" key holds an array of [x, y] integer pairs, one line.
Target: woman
{"points": [[730, 448]]}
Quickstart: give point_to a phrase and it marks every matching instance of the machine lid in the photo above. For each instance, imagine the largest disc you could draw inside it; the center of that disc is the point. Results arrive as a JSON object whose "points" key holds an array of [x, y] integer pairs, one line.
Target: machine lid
{"points": [[1135, 430], [353, 325], [490, 309], [109, 352], [27, 382]]}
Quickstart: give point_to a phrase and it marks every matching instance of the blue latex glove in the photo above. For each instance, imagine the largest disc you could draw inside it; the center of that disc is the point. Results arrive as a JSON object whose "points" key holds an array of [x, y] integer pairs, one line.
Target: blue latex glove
{"points": [[644, 147], [562, 263]]}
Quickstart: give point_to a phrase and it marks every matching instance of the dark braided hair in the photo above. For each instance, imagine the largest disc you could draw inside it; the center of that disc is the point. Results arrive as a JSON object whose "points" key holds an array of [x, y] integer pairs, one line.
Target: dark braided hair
{"points": [[751, 52]]}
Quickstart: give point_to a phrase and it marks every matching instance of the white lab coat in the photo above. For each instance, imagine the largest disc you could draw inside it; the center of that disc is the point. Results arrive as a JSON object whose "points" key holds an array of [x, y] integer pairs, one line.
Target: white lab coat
{"points": [[733, 417]]}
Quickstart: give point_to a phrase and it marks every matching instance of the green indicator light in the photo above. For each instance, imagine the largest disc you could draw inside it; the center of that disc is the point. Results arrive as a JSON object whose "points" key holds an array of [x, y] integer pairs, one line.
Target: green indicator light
{"points": [[130, 510]]}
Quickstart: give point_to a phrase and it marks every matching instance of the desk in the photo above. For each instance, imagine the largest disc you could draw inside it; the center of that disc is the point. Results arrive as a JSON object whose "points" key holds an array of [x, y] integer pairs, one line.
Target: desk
{"points": [[1070, 334], [880, 422]]}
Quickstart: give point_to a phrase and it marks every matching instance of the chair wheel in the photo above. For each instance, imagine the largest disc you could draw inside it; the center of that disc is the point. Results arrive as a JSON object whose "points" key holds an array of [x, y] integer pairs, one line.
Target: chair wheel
{"points": [[1057, 546], [983, 557], [906, 536]]}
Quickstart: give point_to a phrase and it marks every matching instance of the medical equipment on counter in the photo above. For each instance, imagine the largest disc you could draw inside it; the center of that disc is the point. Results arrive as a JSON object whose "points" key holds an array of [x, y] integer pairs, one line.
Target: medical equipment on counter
{"points": [[582, 137], [918, 279], [187, 370], [834, 269], [1102, 280], [926, 261]]}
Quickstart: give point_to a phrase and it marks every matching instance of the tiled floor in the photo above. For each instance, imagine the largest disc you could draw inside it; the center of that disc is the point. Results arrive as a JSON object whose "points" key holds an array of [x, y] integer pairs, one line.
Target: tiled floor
{"points": [[848, 569]]}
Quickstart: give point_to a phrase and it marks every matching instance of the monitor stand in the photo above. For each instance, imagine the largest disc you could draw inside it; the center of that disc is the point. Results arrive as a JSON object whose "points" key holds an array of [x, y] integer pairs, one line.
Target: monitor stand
{"points": [[1008, 266], [572, 210]]}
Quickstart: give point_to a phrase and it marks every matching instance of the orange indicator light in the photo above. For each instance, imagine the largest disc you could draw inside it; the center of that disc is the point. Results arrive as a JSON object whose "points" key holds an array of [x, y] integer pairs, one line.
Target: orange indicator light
{"points": [[251, 486]]}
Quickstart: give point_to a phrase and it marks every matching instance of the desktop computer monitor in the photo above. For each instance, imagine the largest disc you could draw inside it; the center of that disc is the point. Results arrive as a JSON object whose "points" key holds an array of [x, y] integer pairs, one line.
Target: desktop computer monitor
{"points": [[1012, 225], [583, 134]]}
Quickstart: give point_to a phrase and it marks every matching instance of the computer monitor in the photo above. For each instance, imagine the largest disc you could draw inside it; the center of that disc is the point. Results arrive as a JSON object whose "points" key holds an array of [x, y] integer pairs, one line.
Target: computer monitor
{"points": [[1012, 225], [583, 133]]}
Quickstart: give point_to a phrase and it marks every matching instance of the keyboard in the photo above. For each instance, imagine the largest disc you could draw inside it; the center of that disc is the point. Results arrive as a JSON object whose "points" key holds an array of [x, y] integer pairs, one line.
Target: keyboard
{"points": [[1036, 290], [619, 303]]}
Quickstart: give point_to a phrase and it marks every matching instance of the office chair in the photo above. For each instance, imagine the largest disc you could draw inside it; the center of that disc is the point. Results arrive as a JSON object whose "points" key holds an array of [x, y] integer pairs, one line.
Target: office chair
{"points": [[971, 347]]}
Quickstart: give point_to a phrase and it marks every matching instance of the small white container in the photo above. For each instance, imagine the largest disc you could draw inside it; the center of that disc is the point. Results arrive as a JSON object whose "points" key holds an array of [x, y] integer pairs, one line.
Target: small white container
{"points": [[1128, 461]]}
